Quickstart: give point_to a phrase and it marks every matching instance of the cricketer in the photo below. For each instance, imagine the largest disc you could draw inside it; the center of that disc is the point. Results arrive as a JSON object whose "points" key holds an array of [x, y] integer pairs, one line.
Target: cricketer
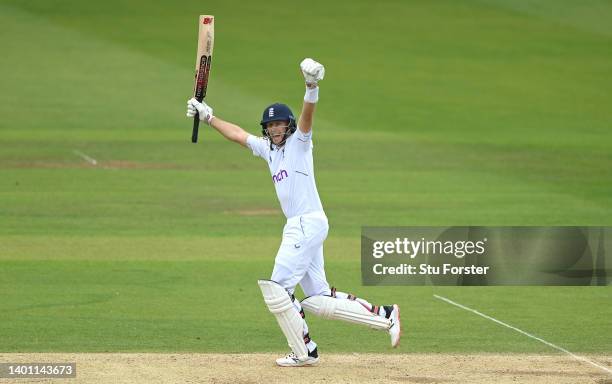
{"points": [[286, 145]]}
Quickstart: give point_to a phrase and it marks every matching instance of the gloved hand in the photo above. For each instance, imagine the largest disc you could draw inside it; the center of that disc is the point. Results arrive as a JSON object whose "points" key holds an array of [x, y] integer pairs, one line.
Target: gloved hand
{"points": [[313, 71], [205, 113]]}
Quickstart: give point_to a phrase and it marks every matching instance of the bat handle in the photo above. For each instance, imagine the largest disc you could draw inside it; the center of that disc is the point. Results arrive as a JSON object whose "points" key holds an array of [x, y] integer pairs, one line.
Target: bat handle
{"points": [[196, 125]]}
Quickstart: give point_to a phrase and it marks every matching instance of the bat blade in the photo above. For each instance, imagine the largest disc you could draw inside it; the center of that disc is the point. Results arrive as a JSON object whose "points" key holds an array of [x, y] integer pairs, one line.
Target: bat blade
{"points": [[206, 38]]}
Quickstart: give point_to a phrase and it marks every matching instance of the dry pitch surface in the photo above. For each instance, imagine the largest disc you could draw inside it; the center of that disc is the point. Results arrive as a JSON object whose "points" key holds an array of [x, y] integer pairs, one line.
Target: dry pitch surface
{"points": [[333, 368]]}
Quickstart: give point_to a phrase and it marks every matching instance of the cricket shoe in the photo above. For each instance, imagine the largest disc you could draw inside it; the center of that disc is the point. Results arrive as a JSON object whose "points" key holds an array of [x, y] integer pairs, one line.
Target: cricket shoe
{"points": [[291, 360], [395, 330]]}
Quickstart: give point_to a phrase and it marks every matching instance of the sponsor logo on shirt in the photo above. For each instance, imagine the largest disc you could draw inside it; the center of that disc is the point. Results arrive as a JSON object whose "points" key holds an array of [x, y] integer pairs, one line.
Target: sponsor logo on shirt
{"points": [[280, 176]]}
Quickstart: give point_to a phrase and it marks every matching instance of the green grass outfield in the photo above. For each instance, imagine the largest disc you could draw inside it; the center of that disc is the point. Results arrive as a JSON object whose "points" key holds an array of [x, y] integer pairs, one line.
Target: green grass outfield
{"points": [[432, 113]]}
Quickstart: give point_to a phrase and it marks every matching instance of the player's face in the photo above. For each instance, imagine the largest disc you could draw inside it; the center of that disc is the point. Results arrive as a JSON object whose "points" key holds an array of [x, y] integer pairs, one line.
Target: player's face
{"points": [[276, 130]]}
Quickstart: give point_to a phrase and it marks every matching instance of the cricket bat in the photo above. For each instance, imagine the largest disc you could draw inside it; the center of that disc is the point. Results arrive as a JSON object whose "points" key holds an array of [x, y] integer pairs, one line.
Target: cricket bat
{"points": [[206, 39]]}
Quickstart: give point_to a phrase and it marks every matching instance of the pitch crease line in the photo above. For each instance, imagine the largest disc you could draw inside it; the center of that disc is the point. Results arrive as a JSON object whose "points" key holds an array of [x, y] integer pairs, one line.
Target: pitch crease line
{"points": [[83, 156], [579, 358]]}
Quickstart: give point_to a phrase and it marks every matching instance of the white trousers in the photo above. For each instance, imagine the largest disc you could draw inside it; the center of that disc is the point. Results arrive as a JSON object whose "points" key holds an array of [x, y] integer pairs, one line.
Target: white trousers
{"points": [[300, 257]]}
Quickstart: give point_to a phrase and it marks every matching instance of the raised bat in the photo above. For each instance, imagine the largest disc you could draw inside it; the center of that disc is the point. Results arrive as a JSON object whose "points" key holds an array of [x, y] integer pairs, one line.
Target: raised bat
{"points": [[206, 39]]}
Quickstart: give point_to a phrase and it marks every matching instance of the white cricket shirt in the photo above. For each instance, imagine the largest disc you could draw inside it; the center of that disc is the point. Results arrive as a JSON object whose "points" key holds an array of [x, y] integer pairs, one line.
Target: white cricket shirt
{"points": [[292, 171]]}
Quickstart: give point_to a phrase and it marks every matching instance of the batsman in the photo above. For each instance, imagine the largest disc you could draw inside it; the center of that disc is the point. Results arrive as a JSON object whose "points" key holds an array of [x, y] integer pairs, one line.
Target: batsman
{"points": [[286, 146]]}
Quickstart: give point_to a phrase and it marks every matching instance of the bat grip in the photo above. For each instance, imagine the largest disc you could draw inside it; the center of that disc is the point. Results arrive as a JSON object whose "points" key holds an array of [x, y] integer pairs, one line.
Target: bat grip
{"points": [[196, 125]]}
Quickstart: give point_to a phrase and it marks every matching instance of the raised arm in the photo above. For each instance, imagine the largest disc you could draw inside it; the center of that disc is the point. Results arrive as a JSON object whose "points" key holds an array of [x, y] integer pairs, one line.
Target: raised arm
{"points": [[305, 122], [313, 72], [230, 131]]}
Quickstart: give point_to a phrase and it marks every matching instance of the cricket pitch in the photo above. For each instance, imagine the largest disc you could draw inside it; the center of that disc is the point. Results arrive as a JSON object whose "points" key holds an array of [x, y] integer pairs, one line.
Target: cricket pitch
{"points": [[333, 368]]}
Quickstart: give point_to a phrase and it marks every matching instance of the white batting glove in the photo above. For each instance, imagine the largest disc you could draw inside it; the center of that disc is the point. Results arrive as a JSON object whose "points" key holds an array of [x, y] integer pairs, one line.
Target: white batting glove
{"points": [[205, 113], [313, 71]]}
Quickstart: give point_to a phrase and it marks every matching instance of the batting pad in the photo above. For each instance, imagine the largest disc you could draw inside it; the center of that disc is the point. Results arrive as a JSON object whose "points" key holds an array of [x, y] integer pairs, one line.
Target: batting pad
{"points": [[344, 309], [291, 323]]}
